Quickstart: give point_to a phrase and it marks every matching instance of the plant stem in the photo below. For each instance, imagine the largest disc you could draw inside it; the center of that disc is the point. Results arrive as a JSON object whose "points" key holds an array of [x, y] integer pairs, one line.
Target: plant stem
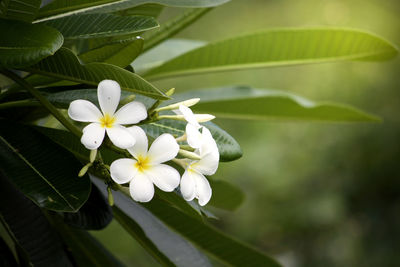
{"points": [[45, 103]]}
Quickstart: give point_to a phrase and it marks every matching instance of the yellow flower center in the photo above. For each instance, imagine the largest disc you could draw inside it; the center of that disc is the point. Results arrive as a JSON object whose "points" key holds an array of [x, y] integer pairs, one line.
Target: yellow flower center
{"points": [[107, 121], [142, 163]]}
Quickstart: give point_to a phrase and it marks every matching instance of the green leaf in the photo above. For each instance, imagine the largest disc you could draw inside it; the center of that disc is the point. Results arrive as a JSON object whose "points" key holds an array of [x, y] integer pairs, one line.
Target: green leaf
{"points": [[165, 51], [28, 226], [151, 10], [26, 44], [249, 103], [228, 148], [101, 25], [67, 8], [95, 214], [225, 195], [85, 249], [172, 27], [162, 243], [120, 53], [65, 65], [278, 48], [204, 236], [41, 169], [25, 10]]}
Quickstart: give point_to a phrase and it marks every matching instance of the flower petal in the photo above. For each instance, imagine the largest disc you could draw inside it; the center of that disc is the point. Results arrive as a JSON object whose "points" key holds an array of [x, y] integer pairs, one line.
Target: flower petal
{"points": [[203, 188], [83, 110], [123, 170], [141, 188], [188, 115], [141, 145], [131, 113], [164, 148], [108, 93], [208, 143], [93, 136], [188, 186], [164, 177], [194, 138], [120, 136]]}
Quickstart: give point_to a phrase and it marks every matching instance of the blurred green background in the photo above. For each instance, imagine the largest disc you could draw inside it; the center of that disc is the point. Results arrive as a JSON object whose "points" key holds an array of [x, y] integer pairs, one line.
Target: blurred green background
{"points": [[317, 193]]}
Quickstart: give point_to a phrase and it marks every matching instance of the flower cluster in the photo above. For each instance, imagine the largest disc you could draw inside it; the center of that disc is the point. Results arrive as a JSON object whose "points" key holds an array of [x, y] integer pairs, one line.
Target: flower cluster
{"points": [[147, 167]]}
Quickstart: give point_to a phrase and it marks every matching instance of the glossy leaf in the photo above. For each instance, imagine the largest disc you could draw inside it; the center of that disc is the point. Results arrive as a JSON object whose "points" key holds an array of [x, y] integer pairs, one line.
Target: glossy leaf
{"points": [[120, 53], [162, 243], [28, 226], [228, 148], [26, 44], [278, 48], [95, 214], [25, 10], [65, 65], [225, 195], [41, 169], [100, 25], [249, 103], [163, 52], [84, 248], [152, 10], [67, 8]]}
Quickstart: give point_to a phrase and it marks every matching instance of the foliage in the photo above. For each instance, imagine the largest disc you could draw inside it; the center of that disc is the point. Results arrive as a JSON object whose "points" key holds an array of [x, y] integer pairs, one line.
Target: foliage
{"points": [[56, 53]]}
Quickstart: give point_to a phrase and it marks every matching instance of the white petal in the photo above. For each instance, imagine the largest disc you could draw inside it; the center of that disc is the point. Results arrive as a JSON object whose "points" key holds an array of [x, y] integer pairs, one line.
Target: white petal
{"points": [[194, 138], [164, 177], [93, 136], [123, 170], [83, 110], [204, 117], [188, 115], [108, 93], [188, 186], [131, 113], [203, 188], [208, 143], [141, 188], [120, 136], [141, 145], [164, 148]]}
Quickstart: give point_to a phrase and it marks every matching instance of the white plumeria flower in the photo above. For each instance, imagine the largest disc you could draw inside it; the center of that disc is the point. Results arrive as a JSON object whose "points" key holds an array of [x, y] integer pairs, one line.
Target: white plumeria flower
{"points": [[192, 128], [193, 183], [146, 169], [107, 120]]}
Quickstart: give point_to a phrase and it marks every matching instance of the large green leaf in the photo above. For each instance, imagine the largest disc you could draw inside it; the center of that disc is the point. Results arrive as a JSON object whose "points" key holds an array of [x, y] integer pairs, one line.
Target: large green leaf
{"points": [[25, 10], [162, 243], [100, 25], [84, 248], [228, 148], [66, 66], [152, 10], [120, 53], [59, 8], [209, 239], [28, 227], [23, 44], [225, 195], [95, 214], [42, 170], [249, 103], [278, 48]]}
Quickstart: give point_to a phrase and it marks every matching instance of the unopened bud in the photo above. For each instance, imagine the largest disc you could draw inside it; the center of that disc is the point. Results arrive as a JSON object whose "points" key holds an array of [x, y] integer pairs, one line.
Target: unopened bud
{"points": [[170, 92], [204, 117], [188, 154], [110, 196], [128, 99], [84, 170], [187, 103]]}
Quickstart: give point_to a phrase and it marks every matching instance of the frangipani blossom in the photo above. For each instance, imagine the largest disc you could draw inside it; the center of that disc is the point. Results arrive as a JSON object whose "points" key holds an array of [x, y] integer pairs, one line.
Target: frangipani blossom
{"points": [[107, 120], [193, 183], [192, 128], [146, 169]]}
